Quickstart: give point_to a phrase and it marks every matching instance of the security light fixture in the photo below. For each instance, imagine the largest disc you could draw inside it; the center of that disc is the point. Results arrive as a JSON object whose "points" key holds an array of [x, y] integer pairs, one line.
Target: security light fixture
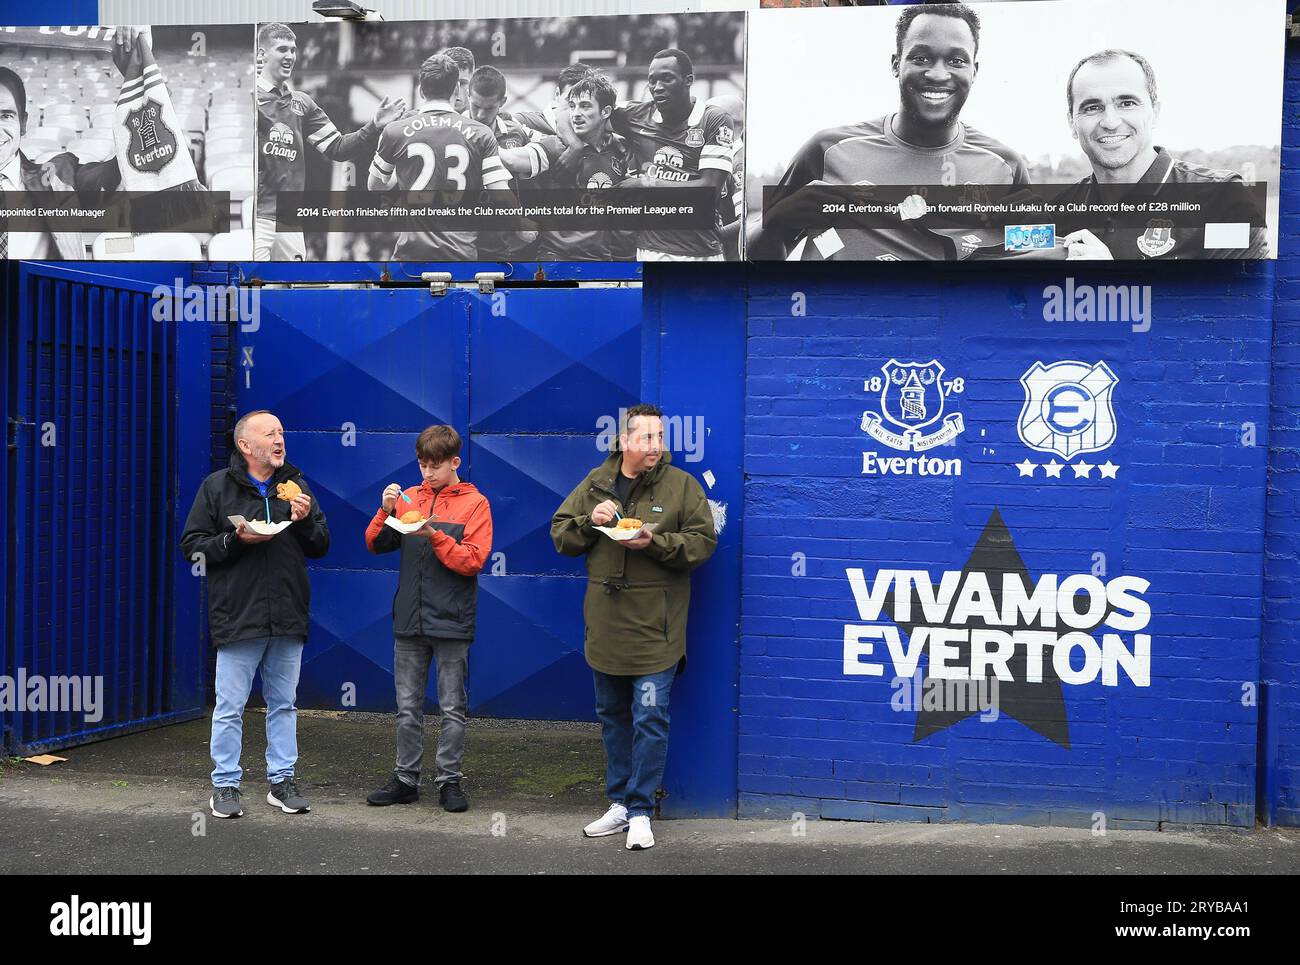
{"points": [[344, 10]]}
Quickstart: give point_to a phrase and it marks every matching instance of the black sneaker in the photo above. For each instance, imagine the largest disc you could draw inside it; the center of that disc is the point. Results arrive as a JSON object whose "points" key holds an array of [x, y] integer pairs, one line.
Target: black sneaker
{"points": [[287, 797], [224, 802], [396, 791], [452, 798]]}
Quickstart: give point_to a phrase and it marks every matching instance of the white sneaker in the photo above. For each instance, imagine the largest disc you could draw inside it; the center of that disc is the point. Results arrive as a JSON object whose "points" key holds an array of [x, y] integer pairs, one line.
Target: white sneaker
{"points": [[614, 821], [639, 837]]}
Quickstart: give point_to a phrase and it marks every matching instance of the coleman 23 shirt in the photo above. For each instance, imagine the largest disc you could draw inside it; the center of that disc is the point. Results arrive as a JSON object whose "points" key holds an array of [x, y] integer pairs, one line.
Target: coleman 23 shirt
{"points": [[437, 149]]}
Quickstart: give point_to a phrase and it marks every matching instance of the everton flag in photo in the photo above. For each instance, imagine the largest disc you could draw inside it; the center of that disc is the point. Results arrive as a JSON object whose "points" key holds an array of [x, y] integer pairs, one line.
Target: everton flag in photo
{"points": [[151, 149]]}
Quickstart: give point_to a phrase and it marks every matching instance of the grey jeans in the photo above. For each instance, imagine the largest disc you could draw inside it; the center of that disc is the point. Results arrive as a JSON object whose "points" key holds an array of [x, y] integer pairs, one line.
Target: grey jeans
{"points": [[411, 657]]}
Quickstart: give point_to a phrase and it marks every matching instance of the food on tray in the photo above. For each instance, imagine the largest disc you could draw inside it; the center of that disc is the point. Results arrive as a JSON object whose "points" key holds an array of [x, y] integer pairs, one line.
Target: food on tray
{"points": [[288, 491], [411, 516], [627, 522]]}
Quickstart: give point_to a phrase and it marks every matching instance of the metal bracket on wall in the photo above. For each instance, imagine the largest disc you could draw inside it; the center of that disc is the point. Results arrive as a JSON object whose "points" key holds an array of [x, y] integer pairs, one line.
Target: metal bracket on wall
{"points": [[439, 281], [487, 281]]}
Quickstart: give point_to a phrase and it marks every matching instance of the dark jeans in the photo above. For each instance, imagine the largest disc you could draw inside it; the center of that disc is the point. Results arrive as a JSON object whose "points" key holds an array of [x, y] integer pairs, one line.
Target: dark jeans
{"points": [[411, 656], [633, 714]]}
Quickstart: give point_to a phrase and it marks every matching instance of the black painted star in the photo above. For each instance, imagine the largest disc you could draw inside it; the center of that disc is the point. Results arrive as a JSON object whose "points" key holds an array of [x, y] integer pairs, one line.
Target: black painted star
{"points": [[1039, 706]]}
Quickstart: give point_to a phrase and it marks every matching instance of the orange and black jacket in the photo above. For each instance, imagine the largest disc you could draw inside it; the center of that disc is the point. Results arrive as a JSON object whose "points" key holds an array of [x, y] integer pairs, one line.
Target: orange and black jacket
{"points": [[437, 584]]}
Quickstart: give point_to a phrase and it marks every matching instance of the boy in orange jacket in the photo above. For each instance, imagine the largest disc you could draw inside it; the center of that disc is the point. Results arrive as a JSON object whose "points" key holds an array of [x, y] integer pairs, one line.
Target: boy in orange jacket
{"points": [[433, 611]]}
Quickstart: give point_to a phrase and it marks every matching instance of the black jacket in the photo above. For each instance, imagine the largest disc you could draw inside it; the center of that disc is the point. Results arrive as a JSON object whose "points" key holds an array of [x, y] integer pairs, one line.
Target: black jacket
{"points": [[260, 589]]}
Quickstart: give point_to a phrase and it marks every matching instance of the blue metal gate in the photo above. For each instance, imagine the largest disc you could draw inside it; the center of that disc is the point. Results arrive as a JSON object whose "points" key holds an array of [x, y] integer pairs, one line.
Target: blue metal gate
{"points": [[91, 478], [355, 374]]}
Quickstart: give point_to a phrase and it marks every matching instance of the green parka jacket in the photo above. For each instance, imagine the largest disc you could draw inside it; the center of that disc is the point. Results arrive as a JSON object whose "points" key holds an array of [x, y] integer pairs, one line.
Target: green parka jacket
{"points": [[636, 602]]}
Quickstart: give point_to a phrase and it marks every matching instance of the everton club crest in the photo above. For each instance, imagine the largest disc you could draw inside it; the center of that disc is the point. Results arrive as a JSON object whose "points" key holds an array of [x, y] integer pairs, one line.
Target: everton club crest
{"points": [[1068, 409], [1158, 239], [153, 143], [912, 398]]}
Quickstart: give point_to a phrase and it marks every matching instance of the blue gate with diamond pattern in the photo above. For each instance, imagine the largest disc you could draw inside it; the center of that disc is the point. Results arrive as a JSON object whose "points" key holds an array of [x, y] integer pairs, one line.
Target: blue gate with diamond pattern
{"points": [[523, 374]]}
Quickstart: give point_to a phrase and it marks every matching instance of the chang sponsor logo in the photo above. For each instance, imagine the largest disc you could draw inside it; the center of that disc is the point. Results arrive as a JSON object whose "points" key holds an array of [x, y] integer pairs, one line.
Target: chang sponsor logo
{"points": [[280, 142]]}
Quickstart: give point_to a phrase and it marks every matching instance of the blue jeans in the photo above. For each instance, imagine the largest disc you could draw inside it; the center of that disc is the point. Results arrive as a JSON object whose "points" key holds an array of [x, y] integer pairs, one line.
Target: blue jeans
{"points": [[280, 660], [633, 714]]}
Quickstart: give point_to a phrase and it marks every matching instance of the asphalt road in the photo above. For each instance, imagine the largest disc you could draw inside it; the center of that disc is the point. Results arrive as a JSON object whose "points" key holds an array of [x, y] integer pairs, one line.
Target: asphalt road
{"points": [[98, 827], [137, 804]]}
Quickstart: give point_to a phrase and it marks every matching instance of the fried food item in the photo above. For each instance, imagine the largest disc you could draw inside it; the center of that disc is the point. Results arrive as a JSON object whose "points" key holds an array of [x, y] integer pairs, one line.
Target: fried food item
{"points": [[287, 491], [411, 516], [627, 522]]}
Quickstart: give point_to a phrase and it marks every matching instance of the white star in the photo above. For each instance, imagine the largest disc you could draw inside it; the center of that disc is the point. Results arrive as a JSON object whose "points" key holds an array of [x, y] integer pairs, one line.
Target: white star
{"points": [[1108, 469], [1053, 469], [1026, 468], [1081, 470]]}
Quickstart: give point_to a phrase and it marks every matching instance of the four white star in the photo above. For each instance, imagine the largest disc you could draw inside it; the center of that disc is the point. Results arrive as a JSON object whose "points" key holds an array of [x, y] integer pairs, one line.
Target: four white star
{"points": [[1082, 470]]}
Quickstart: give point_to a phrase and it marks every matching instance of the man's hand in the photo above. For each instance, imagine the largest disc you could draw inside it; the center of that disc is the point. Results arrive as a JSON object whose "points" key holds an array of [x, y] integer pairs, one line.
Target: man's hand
{"points": [[300, 507], [912, 208], [640, 541], [389, 499], [603, 514], [1083, 245], [389, 110], [246, 535], [124, 43]]}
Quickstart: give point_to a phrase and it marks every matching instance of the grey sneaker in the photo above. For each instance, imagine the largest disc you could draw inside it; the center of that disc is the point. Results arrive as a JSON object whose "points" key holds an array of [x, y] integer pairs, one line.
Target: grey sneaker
{"points": [[287, 797], [224, 802]]}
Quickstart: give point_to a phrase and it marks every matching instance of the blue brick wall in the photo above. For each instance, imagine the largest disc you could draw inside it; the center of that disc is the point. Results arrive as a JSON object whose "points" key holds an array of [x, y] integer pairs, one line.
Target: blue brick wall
{"points": [[1279, 752], [1185, 512]]}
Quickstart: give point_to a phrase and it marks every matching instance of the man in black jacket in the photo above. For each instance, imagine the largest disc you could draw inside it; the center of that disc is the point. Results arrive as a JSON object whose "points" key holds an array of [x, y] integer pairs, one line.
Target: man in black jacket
{"points": [[258, 595]]}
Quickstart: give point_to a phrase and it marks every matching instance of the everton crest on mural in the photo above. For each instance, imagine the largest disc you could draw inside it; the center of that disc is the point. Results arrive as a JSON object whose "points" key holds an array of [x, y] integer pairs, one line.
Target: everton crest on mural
{"points": [[1067, 408], [912, 399]]}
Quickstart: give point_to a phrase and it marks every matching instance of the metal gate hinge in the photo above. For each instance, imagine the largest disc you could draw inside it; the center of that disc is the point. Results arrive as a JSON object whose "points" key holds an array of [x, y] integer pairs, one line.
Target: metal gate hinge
{"points": [[487, 281], [439, 281]]}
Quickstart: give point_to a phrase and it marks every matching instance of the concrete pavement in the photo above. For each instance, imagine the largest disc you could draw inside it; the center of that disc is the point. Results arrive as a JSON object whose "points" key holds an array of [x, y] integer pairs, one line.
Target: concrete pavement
{"points": [[137, 805]]}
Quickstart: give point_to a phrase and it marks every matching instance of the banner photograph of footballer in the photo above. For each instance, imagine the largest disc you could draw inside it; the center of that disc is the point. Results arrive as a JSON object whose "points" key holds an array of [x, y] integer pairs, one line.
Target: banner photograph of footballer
{"points": [[1059, 129], [126, 143], [558, 139]]}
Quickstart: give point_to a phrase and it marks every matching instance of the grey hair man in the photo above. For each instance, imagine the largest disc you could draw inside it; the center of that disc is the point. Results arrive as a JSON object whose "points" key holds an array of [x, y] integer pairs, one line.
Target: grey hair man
{"points": [[251, 529]]}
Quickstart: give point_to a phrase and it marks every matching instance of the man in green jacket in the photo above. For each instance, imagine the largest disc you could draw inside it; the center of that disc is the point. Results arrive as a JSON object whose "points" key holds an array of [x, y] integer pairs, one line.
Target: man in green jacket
{"points": [[638, 592]]}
